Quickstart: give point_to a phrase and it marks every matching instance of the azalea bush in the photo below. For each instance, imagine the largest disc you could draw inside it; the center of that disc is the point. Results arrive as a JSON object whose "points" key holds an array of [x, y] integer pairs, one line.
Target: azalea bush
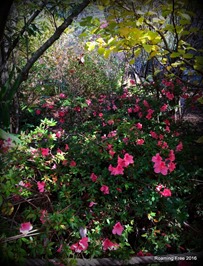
{"points": [[105, 176]]}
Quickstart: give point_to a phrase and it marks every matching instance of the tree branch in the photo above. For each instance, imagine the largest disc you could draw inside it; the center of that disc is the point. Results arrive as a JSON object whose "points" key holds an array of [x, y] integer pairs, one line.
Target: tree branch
{"points": [[174, 25], [24, 72], [31, 19]]}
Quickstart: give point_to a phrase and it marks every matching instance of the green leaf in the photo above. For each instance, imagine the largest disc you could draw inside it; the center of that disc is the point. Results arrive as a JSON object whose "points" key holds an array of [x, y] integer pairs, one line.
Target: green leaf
{"points": [[199, 140], [101, 50], [174, 55], [147, 47], [188, 56]]}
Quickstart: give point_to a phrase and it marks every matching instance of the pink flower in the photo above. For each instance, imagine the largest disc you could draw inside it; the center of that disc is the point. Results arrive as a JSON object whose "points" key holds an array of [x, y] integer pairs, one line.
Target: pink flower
{"points": [[25, 228], [140, 142], [132, 81], [60, 248], [116, 170], [72, 163], [59, 151], [88, 102], [140, 254], [110, 122], [146, 104], [58, 134], [164, 108], [45, 151], [159, 187], [62, 96], [171, 166], [130, 110], [92, 203], [169, 95], [161, 168], [80, 246], [66, 147], [118, 229], [41, 186], [157, 158], [138, 126], [153, 135], [149, 115], [121, 162], [104, 189], [107, 244], [43, 216], [112, 152], [171, 155], [94, 177], [179, 147], [136, 108], [167, 129], [38, 112], [166, 192], [128, 159]]}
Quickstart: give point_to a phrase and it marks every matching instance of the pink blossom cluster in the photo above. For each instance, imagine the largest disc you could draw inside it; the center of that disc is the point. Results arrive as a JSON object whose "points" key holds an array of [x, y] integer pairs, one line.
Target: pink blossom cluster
{"points": [[121, 164], [82, 245], [163, 167]]}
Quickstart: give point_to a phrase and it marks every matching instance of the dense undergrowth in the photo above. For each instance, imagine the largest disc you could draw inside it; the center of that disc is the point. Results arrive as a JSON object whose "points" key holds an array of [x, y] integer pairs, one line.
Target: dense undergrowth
{"points": [[111, 174]]}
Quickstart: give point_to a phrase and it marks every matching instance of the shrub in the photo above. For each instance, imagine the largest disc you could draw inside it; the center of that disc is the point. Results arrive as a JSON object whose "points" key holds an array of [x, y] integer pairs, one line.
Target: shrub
{"points": [[116, 181]]}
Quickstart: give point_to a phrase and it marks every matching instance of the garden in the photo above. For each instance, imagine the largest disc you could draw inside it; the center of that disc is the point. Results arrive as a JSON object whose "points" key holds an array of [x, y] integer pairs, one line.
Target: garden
{"points": [[98, 158]]}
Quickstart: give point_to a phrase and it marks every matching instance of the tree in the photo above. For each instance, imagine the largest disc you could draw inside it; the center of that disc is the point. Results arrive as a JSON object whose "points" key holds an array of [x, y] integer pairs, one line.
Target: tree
{"points": [[15, 75], [168, 34]]}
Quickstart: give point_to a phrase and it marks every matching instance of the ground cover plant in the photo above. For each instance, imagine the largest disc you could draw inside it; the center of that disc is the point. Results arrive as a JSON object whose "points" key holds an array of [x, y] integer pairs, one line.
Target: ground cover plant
{"points": [[118, 181]]}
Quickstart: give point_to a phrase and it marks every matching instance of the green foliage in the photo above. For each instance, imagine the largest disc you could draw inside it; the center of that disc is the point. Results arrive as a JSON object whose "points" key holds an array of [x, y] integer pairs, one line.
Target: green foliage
{"points": [[162, 31]]}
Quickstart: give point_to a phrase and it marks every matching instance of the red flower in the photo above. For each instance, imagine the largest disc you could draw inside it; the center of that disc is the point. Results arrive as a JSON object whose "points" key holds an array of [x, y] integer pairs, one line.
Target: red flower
{"points": [[45, 151], [140, 253], [169, 95], [38, 112], [118, 229], [72, 163]]}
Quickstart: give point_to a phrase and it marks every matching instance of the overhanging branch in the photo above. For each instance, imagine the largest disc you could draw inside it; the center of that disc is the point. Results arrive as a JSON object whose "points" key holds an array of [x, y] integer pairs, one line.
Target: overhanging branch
{"points": [[24, 72]]}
